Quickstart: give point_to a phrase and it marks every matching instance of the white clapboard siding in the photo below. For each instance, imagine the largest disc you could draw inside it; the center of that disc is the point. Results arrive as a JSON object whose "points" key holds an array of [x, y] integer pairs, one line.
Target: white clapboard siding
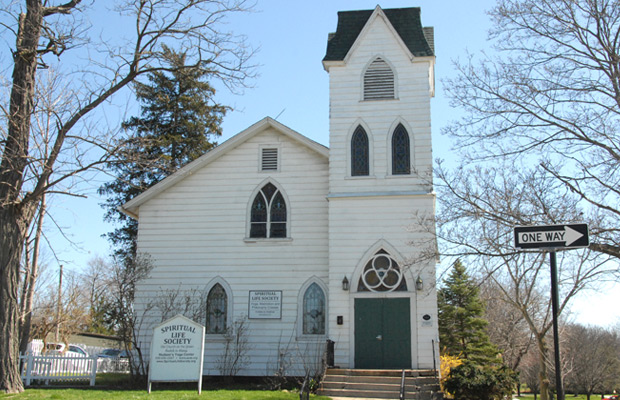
{"points": [[197, 230], [375, 210], [379, 118]]}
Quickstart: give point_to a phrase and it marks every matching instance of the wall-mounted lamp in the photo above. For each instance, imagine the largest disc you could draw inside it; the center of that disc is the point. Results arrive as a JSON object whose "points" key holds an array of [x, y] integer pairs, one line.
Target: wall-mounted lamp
{"points": [[419, 284], [345, 283]]}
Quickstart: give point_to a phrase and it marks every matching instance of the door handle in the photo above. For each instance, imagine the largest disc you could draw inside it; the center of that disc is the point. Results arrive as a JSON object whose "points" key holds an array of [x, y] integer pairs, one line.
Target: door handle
{"points": [[379, 337]]}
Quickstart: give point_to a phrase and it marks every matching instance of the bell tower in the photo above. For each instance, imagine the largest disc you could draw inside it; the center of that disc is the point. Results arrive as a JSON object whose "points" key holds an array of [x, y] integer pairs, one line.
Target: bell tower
{"points": [[381, 79]]}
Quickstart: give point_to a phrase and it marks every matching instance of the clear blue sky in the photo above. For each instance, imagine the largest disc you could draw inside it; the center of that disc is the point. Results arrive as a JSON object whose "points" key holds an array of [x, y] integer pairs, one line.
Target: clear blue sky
{"points": [[291, 37]]}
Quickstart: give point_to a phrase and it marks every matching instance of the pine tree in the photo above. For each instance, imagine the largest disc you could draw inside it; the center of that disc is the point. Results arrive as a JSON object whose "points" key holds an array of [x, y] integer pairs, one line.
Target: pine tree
{"points": [[462, 327], [178, 121]]}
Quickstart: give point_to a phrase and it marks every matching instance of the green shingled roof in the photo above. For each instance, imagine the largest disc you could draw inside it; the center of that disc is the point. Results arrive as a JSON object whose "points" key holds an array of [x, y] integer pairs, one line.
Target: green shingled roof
{"points": [[406, 21]]}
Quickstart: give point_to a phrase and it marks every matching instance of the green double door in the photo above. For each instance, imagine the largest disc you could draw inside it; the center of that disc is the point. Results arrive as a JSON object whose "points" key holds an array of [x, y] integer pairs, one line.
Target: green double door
{"points": [[382, 333]]}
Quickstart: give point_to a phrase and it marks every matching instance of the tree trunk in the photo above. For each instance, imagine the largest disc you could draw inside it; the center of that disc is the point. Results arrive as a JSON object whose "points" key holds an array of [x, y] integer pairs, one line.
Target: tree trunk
{"points": [[16, 209], [12, 235], [31, 283], [543, 372]]}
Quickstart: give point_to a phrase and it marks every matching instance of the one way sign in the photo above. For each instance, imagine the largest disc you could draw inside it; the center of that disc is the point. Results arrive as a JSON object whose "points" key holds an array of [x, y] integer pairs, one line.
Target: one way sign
{"points": [[552, 236]]}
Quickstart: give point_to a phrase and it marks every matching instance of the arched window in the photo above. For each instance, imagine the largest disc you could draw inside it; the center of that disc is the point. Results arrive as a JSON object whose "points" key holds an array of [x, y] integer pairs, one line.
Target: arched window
{"points": [[314, 311], [359, 153], [378, 81], [217, 310], [382, 274], [268, 214], [401, 153]]}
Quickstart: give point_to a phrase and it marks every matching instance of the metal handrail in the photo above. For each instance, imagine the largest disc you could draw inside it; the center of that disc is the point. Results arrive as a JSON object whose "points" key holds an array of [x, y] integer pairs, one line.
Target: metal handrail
{"points": [[434, 357], [402, 386]]}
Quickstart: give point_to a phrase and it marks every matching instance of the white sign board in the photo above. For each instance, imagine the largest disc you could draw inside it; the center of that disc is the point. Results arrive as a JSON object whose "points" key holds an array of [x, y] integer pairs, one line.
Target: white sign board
{"points": [[177, 351], [266, 304]]}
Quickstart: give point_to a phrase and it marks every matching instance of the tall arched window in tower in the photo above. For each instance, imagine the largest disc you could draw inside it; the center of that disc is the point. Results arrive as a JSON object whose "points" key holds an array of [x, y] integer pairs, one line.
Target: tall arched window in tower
{"points": [[401, 153], [359, 153], [268, 214], [314, 311], [217, 309], [378, 81]]}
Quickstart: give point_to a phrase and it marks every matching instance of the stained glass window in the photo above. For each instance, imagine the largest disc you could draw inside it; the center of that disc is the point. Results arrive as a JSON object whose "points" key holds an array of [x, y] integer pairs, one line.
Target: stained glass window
{"points": [[314, 311], [401, 158], [217, 307], [268, 214], [359, 153], [382, 274]]}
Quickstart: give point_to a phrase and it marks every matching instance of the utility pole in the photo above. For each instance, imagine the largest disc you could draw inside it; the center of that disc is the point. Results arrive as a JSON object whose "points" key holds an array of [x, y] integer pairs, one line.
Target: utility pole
{"points": [[58, 305]]}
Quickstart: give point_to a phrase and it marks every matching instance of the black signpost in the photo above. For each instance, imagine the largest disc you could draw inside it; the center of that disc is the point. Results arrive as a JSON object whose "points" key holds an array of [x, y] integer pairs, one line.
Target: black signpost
{"points": [[552, 238]]}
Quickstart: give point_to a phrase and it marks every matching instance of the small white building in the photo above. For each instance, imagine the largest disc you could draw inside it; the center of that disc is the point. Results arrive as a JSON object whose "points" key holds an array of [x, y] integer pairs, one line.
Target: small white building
{"points": [[304, 243]]}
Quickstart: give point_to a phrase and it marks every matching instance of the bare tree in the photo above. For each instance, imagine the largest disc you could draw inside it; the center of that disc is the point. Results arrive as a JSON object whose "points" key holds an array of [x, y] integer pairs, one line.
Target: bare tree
{"points": [[550, 96], [529, 373], [122, 280], [594, 359], [191, 303], [479, 208], [235, 354], [507, 328], [67, 317], [50, 101], [97, 284], [44, 28]]}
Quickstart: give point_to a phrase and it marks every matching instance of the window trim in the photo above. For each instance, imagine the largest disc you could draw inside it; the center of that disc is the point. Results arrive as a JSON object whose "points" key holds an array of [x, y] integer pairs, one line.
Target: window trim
{"points": [[229, 307], [287, 202], [301, 336]]}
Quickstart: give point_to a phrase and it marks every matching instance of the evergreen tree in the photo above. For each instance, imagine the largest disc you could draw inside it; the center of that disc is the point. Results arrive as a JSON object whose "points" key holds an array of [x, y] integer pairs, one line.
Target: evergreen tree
{"points": [[178, 121], [462, 327]]}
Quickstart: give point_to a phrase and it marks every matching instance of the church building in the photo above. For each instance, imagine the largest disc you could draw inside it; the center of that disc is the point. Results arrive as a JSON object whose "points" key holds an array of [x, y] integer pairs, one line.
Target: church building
{"points": [[312, 250]]}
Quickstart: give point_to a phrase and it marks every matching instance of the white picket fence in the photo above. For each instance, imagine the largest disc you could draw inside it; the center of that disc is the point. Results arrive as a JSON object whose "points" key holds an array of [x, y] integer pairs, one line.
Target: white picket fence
{"points": [[56, 367]]}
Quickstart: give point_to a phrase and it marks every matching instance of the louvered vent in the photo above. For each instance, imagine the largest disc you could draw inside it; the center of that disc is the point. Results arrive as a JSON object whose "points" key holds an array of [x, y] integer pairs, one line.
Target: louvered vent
{"points": [[270, 160], [379, 81]]}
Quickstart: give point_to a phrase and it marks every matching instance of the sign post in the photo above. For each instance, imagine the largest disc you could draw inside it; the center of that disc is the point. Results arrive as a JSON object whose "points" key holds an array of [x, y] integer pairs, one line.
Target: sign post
{"points": [[552, 238]]}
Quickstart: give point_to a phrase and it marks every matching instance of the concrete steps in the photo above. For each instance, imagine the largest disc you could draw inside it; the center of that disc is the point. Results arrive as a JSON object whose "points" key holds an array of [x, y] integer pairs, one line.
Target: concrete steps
{"points": [[380, 384]]}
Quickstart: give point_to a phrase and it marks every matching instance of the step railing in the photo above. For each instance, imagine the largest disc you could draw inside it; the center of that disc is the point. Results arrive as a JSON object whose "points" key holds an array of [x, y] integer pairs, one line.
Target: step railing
{"points": [[402, 386]]}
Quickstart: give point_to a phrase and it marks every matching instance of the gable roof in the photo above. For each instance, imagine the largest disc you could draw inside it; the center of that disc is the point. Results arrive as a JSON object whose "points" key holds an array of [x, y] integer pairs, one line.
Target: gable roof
{"points": [[131, 208], [405, 21]]}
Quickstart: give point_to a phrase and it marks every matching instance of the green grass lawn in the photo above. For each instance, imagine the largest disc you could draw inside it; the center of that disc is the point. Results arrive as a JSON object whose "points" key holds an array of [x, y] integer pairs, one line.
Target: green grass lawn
{"points": [[567, 396], [116, 386], [220, 394]]}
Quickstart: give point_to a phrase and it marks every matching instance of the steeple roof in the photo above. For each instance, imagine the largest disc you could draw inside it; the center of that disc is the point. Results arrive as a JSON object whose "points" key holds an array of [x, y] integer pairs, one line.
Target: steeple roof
{"points": [[406, 22]]}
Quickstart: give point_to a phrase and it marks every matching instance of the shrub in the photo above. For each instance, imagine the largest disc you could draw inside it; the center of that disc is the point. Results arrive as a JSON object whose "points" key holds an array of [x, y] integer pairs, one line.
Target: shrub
{"points": [[447, 362], [474, 382]]}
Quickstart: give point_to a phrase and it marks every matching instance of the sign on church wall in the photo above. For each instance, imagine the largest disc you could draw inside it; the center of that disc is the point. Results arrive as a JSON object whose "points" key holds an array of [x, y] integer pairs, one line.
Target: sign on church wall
{"points": [[265, 304], [177, 350]]}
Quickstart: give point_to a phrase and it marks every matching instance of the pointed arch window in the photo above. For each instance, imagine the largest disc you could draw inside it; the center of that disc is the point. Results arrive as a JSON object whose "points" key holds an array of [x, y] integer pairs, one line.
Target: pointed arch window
{"points": [[378, 81], [314, 311], [268, 214], [382, 274], [217, 310], [401, 153], [359, 153]]}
